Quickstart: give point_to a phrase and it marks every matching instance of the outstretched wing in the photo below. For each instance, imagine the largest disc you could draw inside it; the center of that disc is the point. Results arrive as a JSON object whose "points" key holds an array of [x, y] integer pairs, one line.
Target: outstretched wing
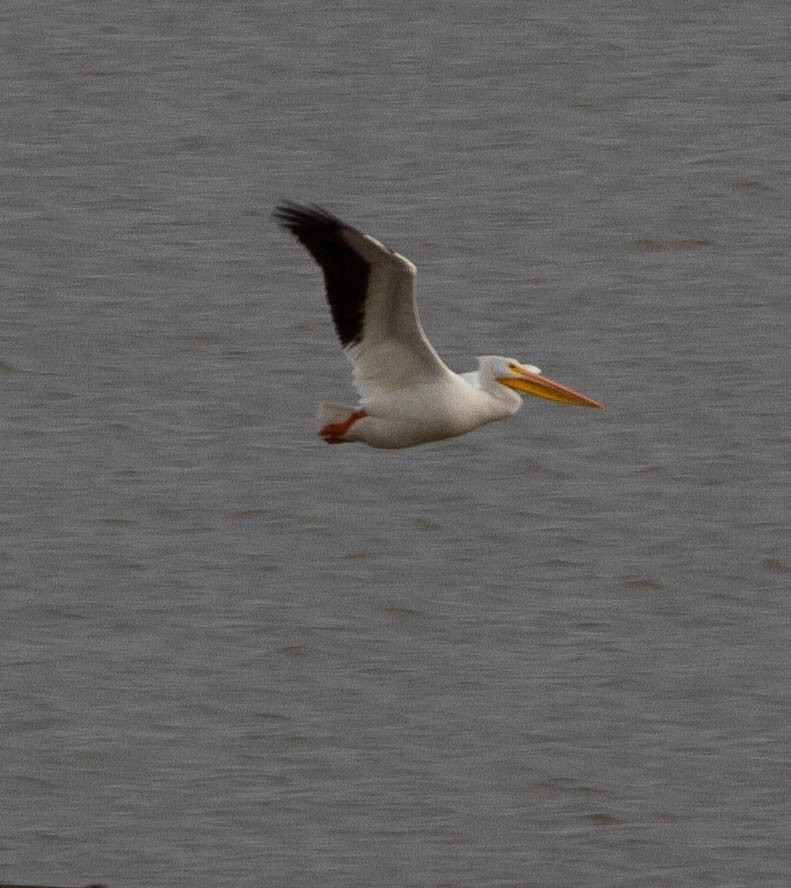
{"points": [[371, 292]]}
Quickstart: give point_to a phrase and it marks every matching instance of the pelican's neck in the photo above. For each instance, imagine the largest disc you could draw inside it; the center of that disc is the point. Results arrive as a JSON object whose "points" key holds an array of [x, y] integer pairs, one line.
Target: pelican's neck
{"points": [[484, 381]]}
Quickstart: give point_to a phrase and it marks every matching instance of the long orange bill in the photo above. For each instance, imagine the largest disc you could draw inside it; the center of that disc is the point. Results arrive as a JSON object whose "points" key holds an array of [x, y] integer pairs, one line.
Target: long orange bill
{"points": [[535, 384]]}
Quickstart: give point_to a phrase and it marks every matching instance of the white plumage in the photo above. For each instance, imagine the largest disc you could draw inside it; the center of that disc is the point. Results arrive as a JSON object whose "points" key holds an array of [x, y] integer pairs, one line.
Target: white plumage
{"points": [[408, 395]]}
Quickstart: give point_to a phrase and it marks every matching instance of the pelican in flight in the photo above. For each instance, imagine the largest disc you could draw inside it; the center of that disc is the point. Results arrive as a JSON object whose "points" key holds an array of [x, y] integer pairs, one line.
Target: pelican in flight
{"points": [[408, 395]]}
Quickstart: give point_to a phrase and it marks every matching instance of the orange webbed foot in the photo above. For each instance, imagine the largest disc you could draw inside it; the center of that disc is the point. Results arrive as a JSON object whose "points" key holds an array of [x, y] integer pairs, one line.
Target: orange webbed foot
{"points": [[333, 432]]}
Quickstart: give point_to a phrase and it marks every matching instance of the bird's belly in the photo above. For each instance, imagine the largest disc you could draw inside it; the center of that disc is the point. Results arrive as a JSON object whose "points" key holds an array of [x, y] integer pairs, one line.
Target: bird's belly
{"points": [[418, 416]]}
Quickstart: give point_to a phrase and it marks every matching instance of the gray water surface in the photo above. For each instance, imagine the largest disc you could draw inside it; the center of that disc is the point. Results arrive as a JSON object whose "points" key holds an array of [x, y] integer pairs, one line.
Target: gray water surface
{"points": [[554, 652]]}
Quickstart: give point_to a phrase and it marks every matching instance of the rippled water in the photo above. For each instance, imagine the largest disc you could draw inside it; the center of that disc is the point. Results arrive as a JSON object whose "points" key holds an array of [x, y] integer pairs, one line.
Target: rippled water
{"points": [[552, 652]]}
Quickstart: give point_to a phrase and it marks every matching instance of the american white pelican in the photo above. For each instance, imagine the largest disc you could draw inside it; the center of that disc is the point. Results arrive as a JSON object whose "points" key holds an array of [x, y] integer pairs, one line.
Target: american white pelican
{"points": [[408, 395]]}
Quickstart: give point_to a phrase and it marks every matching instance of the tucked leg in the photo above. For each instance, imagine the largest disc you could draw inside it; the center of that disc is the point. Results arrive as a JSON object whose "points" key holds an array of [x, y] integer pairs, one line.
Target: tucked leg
{"points": [[333, 432]]}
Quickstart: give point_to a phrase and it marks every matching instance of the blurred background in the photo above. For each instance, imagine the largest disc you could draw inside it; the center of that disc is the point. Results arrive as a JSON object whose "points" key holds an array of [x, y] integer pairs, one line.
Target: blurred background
{"points": [[550, 653]]}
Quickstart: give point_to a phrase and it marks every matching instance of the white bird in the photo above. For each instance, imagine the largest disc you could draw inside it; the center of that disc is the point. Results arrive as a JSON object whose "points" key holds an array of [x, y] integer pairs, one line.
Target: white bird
{"points": [[408, 395]]}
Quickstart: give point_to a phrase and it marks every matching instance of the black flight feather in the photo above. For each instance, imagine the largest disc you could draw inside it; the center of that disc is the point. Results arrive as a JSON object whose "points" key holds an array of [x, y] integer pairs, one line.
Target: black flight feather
{"points": [[346, 273]]}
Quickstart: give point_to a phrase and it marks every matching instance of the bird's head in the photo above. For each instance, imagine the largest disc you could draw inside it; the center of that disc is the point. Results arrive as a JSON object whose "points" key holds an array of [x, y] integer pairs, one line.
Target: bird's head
{"points": [[527, 379]]}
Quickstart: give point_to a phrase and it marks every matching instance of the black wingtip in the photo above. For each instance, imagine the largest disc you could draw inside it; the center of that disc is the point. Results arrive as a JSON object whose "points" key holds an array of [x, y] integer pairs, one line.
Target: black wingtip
{"points": [[296, 217], [345, 270]]}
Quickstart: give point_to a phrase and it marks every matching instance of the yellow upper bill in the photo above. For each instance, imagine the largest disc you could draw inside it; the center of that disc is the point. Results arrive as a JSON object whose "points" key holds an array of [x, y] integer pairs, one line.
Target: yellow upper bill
{"points": [[535, 384]]}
